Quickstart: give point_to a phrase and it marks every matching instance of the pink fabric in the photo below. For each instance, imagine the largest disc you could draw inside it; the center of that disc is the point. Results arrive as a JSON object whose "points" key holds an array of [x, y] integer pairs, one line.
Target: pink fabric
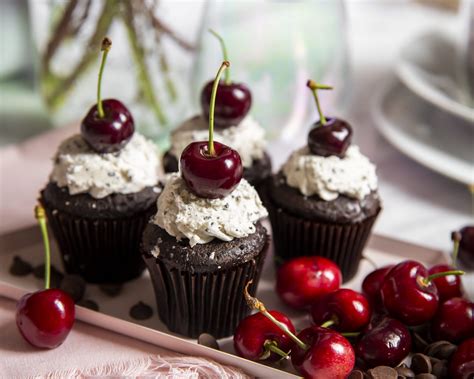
{"points": [[90, 352]]}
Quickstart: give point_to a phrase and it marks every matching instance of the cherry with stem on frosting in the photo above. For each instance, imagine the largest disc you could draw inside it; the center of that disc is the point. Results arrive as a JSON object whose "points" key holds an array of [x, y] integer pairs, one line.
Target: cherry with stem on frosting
{"points": [[454, 320], [328, 136], [384, 342], [45, 318], [234, 99], [210, 169], [317, 352], [257, 338], [409, 294], [109, 125], [343, 310], [300, 281], [371, 287]]}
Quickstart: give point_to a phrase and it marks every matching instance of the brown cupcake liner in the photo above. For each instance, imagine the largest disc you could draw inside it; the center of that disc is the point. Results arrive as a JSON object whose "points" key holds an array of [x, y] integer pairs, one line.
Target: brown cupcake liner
{"points": [[211, 302], [99, 250], [342, 243]]}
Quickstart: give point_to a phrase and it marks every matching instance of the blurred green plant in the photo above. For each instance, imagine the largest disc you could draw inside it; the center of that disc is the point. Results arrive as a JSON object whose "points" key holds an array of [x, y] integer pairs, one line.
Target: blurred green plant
{"points": [[133, 13]]}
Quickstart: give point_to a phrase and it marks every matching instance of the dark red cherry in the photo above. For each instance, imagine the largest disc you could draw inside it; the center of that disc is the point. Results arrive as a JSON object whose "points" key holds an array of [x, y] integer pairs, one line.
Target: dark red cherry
{"points": [[110, 133], [385, 342], [407, 294], [372, 284], [448, 286], [328, 136], [209, 176], [344, 310], [256, 337], [333, 138], [461, 365], [328, 355], [454, 320], [45, 317], [233, 102], [466, 247], [300, 281]]}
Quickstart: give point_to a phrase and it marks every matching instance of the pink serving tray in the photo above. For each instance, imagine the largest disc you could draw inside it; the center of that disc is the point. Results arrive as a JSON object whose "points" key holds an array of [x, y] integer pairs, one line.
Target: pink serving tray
{"points": [[114, 312]]}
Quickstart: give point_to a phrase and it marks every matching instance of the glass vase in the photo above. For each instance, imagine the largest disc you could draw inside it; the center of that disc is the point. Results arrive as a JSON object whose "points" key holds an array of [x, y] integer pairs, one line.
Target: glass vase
{"points": [[275, 47]]}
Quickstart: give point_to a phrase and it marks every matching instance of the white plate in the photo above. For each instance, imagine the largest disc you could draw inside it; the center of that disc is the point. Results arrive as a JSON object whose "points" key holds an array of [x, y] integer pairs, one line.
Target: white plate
{"points": [[436, 139], [431, 66], [114, 315]]}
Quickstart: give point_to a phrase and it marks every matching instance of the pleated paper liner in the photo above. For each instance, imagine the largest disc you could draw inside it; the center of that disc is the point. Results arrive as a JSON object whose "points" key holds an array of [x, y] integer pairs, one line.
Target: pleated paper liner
{"points": [[99, 250], [210, 302], [343, 243]]}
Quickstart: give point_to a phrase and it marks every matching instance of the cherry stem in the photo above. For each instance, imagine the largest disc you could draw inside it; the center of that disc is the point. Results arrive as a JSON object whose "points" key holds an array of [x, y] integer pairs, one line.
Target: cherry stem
{"points": [[437, 275], [40, 215], [350, 334], [211, 151], [272, 347], [256, 304], [456, 237], [313, 86], [224, 54], [106, 45], [328, 323]]}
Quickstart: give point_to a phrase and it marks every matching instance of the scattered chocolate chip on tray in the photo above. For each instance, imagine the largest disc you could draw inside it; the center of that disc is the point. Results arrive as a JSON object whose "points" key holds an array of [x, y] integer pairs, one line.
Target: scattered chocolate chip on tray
{"points": [[141, 311], [88, 303], [20, 267], [111, 289]]}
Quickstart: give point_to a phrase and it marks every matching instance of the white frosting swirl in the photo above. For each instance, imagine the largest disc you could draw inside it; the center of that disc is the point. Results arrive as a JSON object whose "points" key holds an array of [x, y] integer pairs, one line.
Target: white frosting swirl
{"points": [[83, 170], [185, 215], [328, 177], [248, 138]]}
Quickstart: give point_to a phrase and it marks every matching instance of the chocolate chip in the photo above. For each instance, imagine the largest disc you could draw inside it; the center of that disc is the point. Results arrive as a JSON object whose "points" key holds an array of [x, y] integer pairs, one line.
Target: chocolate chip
{"points": [[383, 372], [440, 349], [55, 275], [440, 369], [420, 364], [404, 371], [141, 311], [446, 351], [208, 340], [425, 375], [19, 267], [88, 303], [112, 289], [74, 285]]}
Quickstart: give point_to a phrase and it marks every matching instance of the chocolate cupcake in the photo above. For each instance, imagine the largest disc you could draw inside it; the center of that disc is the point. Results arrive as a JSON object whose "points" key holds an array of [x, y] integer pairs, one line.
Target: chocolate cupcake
{"points": [[205, 242], [324, 200], [98, 205], [200, 254], [102, 192]]}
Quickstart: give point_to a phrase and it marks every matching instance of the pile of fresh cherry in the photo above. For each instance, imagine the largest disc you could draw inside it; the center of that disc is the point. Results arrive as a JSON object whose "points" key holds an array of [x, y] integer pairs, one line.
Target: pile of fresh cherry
{"points": [[375, 330]]}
